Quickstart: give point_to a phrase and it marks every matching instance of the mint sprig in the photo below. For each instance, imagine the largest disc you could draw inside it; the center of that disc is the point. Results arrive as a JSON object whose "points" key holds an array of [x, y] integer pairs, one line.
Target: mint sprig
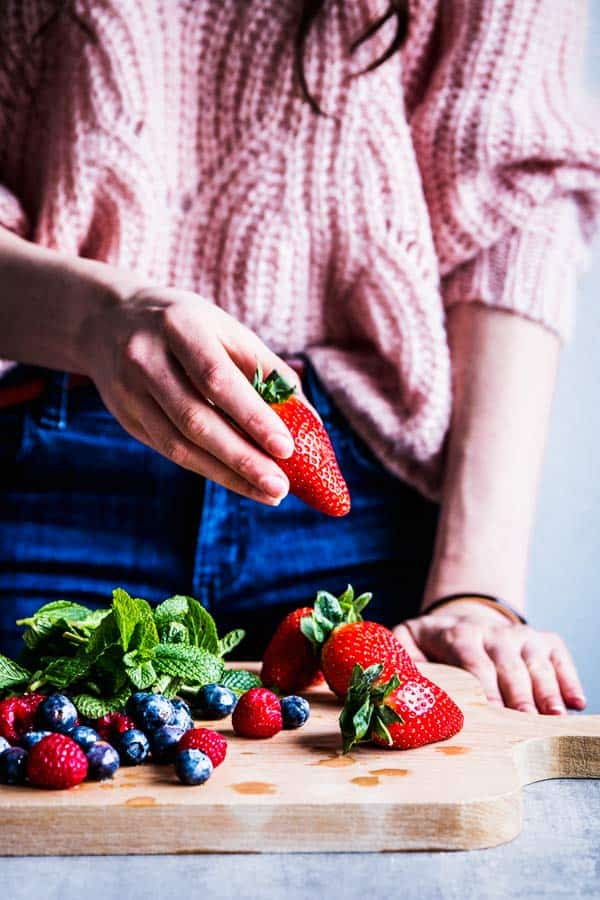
{"points": [[102, 656]]}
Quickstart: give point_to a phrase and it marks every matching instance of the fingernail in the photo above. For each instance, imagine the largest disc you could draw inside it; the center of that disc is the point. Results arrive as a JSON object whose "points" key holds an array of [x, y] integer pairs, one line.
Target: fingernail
{"points": [[280, 445], [556, 710], [526, 708], [274, 485], [578, 700]]}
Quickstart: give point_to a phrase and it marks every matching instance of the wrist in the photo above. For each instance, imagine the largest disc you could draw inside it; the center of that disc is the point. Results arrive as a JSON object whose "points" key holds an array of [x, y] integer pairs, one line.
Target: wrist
{"points": [[497, 574], [473, 610]]}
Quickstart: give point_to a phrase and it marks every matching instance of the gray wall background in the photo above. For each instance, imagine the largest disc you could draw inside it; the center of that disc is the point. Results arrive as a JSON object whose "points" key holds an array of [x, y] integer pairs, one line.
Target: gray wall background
{"points": [[564, 579]]}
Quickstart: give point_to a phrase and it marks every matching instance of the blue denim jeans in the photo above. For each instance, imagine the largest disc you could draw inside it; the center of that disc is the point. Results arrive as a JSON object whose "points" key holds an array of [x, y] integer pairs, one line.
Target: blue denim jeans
{"points": [[84, 508]]}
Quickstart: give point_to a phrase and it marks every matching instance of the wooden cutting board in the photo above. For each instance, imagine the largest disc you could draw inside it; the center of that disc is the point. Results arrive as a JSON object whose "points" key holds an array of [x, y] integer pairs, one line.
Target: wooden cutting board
{"points": [[296, 792]]}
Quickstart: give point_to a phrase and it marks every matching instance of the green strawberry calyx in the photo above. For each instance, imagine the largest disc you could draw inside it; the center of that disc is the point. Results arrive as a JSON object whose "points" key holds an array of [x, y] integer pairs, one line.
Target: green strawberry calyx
{"points": [[330, 611], [365, 711], [274, 388]]}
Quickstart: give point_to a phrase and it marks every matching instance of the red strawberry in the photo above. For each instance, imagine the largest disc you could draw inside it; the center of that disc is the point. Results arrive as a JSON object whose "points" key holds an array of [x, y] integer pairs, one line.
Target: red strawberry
{"points": [[312, 469], [336, 626], [56, 762], [112, 724], [290, 662], [257, 714], [401, 713], [210, 742], [17, 715]]}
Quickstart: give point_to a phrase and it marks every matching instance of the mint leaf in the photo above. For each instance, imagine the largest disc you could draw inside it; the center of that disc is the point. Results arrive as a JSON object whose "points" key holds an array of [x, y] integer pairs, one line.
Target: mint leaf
{"points": [[106, 635], [175, 633], [240, 681], [126, 615], [189, 664], [94, 707], [11, 673], [201, 626], [142, 676], [231, 640], [187, 611], [145, 635], [64, 670], [173, 609]]}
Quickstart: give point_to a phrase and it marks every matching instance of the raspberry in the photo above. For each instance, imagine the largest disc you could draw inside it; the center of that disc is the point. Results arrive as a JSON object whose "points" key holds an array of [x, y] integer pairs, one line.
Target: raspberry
{"points": [[210, 742], [113, 724], [257, 714], [17, 715], [56, 762]]}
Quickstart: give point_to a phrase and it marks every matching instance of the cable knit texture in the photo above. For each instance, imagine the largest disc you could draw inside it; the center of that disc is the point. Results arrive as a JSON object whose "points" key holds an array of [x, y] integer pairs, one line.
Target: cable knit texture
{"points": [[177, 144]]}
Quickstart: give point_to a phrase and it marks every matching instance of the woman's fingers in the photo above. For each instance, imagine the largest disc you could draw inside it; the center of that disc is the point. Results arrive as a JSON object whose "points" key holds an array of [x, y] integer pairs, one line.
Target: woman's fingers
{"points": [[568, 679], [161, 435], [513, 677], [407, 640], [458, 644], [205, 427], [546, 690], [214, 374]]}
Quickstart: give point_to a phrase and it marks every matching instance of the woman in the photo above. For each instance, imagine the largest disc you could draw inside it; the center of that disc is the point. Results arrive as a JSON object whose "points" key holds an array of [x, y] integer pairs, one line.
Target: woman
{"points": [[190, 188]]}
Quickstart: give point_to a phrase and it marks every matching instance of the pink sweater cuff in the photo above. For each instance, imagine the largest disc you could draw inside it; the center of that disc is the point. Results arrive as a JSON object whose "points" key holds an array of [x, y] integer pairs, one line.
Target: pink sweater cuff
{"points": [[531, 271]]}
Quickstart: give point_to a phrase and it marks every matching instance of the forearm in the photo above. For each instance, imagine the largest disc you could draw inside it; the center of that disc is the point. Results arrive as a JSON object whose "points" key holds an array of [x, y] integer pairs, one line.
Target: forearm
{"points": [[504, 372], [46, 300]]}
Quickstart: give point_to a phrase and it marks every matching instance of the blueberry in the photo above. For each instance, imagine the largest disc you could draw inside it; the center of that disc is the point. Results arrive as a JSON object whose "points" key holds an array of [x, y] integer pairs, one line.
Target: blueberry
{"points": [[181, 714], [214, 701], [85, 736], [133, 747], [30, 738], [133, 705], [13, 766], [193, 767], [154, 712], [4, 745], [294, 711], [56, 713], [103, 761], [164, 743]]}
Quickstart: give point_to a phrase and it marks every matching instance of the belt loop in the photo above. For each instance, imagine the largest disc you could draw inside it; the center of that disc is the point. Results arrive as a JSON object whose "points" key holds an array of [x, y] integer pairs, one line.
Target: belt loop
{"points": [[54, 408]]}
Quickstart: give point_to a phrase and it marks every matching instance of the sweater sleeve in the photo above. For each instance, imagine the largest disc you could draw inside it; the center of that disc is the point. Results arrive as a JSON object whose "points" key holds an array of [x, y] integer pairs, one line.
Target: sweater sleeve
{"points": [[19, 72], [509, 152]]}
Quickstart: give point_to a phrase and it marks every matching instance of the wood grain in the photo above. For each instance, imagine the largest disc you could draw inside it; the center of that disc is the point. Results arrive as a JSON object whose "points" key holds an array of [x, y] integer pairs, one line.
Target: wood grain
{"points": [[296, 792]]}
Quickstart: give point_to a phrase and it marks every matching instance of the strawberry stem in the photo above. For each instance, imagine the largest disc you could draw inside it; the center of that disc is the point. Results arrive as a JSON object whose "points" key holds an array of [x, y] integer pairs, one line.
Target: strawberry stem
{"points": [[330, 611], [365, 712], [274, 388]]}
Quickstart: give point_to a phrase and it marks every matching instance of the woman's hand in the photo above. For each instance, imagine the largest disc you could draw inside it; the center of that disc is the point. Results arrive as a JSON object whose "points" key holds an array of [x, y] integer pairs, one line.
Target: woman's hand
{"points": [[517, 665], [176, 372]]}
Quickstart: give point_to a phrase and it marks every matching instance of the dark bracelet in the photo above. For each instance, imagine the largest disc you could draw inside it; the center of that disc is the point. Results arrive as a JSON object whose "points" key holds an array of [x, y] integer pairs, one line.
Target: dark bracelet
{"points": [[487, 599]]}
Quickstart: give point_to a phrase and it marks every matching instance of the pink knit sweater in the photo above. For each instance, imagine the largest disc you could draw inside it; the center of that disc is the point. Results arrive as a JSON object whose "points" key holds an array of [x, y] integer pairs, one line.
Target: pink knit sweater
{"points": [[464, 169]]}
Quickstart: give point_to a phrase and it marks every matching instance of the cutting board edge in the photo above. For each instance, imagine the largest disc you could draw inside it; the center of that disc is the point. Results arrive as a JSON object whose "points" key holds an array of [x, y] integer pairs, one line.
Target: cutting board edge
{"points": [[303, 828]]}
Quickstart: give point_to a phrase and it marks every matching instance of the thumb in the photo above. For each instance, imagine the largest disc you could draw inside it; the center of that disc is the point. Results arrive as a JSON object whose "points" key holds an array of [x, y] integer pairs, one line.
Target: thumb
{"points": [[409, 643]]}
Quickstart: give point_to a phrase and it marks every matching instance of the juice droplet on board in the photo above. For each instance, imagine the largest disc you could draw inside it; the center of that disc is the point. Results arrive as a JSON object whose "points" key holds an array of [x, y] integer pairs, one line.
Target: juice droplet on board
{"points": [[398, 773], [365, 780], [140, 801], [335, 762], [452, 750], [254, 787]]}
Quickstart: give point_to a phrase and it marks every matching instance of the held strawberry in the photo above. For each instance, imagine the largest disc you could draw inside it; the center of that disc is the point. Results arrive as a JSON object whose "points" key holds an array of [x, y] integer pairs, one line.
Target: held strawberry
{"points": [[291, 662], [312, 469], [336, 627], [400, 713]]}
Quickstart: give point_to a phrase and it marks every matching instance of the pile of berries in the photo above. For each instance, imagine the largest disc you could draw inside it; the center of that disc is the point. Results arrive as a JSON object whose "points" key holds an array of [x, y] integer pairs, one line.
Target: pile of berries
{"points": [[43, 743]]}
